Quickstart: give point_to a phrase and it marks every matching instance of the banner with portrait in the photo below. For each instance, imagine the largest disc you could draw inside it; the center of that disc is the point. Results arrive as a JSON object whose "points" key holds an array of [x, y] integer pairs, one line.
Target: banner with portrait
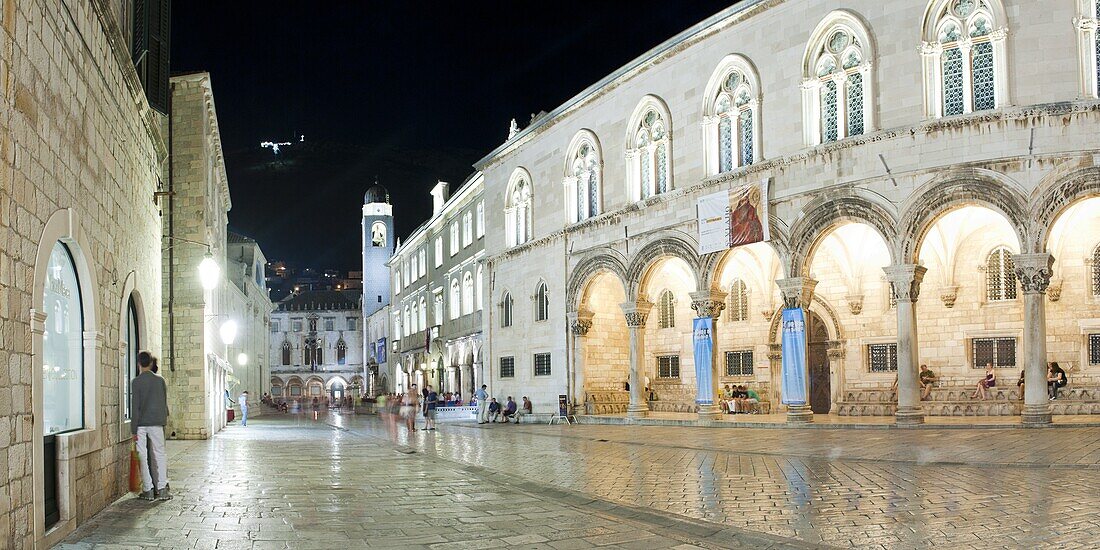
{"points": [[733, 218]]}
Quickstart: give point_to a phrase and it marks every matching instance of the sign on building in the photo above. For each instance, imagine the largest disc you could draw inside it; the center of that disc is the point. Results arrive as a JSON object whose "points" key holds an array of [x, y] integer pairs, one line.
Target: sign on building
{"points": [[733, 218]]}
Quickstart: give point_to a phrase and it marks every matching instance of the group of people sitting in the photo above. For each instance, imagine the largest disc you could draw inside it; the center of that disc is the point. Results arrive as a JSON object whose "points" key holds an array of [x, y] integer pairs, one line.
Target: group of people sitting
{"points": [[738, 400], [1056, 380], [508, 412]]}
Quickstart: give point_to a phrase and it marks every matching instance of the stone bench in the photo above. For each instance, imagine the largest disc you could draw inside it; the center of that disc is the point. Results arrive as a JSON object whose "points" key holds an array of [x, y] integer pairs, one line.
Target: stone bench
{"points": [[956, 401], [606, 401]]}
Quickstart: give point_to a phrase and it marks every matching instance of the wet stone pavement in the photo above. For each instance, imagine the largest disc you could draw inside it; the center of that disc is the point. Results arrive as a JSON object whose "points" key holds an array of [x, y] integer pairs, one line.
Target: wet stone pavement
{"points": [[357, 482]]}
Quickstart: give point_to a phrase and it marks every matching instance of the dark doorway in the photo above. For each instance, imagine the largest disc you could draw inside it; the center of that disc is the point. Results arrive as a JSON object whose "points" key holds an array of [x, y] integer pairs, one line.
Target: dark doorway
{"points": [[818, 358], [49, 478]]}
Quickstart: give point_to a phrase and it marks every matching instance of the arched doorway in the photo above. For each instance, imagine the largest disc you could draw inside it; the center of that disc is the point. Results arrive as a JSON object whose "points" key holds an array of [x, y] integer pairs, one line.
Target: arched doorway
{"points": [[818, 359], [338, 392]]}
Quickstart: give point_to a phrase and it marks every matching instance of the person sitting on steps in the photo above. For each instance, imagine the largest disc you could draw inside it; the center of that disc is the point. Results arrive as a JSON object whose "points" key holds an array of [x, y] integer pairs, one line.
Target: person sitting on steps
{"points": [[1056, 378], [989, 381]]}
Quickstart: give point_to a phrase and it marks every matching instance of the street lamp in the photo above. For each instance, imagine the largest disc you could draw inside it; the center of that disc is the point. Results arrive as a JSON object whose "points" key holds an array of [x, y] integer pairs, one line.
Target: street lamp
{"points": [[242, 359], [228, 332], [209, 273]]}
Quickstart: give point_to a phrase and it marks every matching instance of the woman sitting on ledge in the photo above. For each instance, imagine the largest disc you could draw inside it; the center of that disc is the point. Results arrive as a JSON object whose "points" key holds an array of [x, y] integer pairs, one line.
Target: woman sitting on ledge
{"points": [[989, 381]]}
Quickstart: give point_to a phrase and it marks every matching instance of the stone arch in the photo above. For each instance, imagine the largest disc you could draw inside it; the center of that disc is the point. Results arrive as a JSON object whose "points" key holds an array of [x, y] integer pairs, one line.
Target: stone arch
{"points": [[953, 190], [819, 305], [841, 18], [1053, 199], [711, 265], [606, 259], [130, 293], [669, 245], [932, 12], [332, 381], [826, 212]]}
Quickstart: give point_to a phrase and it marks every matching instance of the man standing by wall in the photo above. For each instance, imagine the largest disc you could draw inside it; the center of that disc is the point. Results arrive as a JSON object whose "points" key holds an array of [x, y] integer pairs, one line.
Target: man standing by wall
{"points": [[150, 415]]}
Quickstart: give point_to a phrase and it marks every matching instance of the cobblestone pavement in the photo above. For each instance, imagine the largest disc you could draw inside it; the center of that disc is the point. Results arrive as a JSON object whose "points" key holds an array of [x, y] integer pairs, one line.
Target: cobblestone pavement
{"points": [[1012, 488], [286, 482]]}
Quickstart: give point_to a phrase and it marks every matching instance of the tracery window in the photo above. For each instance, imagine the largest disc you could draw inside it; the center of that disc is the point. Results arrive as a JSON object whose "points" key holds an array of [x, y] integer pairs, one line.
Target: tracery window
{"points": [[467, 293], [542, 303], [666, 309], [341, 353], [518, 211], [836, 88], [506, 310], [1000, 276], [583, 182], [649, 155], [732, 121], [739, 301], [286, 354], [966, 48]]}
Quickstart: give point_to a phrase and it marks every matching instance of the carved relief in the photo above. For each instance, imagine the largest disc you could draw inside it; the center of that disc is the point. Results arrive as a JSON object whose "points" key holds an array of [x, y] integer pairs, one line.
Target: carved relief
{"points": [[905, 280], [948, 294], [636, 313], [708, 303], [797, 291], [855, 303], [1034, 271], [1054, 291]]}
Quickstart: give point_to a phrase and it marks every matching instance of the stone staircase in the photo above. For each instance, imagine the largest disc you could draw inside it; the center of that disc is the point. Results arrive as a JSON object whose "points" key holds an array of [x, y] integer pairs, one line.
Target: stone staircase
{"points": [[956, 401]]}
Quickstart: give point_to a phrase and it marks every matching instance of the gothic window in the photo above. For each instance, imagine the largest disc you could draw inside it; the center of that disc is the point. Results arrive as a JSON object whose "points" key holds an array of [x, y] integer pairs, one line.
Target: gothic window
{"points": [[666, 309], [341, 353], [518, 211], [1096, 271], [378, 234], [837, 76], [1000, 276], [542, 303], [286, 354], [966, 51], [739, 301], [732, 116], [506, 310], [467, 293], [320, 353], [650, 153], [583, 181], [422, 319], [477, 287], [456, 299]]}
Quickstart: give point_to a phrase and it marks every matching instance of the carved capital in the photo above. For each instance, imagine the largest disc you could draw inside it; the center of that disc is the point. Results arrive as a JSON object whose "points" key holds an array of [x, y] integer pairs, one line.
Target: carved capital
{"points": [[1034, 271], [580, 322], [1085, 23], [1054, 291], [797, 291], [708, 303], [931, 48], [855, 303], [636, 313], [905, 280]]}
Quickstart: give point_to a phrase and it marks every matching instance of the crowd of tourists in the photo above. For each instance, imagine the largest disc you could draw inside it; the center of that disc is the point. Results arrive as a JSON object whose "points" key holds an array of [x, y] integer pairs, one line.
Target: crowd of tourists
{"points": [[418, 408]]}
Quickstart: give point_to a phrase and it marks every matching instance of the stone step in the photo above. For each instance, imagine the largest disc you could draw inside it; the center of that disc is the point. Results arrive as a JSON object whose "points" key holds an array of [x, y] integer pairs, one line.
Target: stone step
{"points": [[959, 394], [969, 408]]}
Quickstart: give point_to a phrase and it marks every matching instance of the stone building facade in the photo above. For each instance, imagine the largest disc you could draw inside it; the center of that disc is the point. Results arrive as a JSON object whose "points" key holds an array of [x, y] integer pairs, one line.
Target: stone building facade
{"points": [[196, 362], [249, 305], [929, 170], [378, 371], [81, 155], [316, 346], [438, 305]]}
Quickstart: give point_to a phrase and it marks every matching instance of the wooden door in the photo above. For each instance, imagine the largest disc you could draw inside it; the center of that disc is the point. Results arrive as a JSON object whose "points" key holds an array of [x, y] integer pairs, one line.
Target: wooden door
{"points": [[818, 358]]}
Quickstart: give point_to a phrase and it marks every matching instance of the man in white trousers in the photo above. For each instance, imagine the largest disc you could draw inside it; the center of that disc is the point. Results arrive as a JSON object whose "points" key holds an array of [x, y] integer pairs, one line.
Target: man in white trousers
{"points": [[243, 402], [149, 407], [482, 404]]}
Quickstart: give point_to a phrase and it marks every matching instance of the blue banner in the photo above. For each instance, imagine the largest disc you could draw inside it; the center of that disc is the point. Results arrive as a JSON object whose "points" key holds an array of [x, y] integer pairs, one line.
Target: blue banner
{"points": [[380, 353], [794, 357], [701, 334]]}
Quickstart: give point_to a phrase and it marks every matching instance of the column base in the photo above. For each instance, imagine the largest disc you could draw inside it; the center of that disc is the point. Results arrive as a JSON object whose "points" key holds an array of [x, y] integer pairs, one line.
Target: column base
{"points": [[909, 416], [709, 413], [799, 414], [637, 411], [1036, 415]]}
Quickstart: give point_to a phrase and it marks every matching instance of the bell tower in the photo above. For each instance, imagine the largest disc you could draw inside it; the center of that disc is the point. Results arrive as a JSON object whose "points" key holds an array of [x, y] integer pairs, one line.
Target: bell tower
{"points": [[378, 241]]}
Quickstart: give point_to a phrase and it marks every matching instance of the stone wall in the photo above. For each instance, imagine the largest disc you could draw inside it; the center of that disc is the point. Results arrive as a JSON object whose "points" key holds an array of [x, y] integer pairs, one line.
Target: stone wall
{"points": [[80, 155]]}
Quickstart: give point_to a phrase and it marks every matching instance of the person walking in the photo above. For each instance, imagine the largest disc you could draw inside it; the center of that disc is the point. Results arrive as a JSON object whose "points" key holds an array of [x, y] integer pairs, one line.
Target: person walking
{"points": [[149, 406], [243, 402], [410, 406], [482, 405], [429, 408]]}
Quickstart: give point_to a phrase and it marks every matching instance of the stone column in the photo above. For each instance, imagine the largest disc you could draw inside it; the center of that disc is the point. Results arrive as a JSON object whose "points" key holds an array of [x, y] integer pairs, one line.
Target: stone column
{"points": [[579, 323], [709, 303], [478, 376], [798, 292], [1034, 271], [636, 314], [905, 280]]}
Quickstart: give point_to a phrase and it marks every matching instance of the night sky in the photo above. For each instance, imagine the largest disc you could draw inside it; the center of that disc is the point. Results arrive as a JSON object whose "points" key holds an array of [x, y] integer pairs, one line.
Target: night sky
{"points": [[411, 92]]}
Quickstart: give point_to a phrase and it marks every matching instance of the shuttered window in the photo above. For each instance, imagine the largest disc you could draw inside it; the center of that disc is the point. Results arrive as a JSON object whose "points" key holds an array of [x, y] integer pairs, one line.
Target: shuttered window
{"points": [[151, 49]]}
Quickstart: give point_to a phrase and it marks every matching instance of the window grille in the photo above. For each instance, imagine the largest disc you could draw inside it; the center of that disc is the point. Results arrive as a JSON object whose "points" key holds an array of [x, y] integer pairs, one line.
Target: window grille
{"points": [[855, 104], [739, 301], [1000, 274], [1096, 267], [1094, 349], [882, 357], [662, 169], [746, 137], [828, 112], [739, 363], [983, 76], [1001, 352], [725, 144], [668, 366], [507, 367], [952, 82], [542, 364], [666, 310]]}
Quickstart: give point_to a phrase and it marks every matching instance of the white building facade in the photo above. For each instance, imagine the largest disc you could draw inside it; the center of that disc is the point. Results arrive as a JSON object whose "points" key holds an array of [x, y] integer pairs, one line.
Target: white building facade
{"points": [[317, 347], [928, 175], [249, 305]]}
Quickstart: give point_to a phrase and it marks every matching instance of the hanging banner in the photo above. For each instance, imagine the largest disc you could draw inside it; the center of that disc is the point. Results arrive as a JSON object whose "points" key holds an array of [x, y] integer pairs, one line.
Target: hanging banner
{"points": [[701, 332], [380, 353], [794, 357], [733, 218]]}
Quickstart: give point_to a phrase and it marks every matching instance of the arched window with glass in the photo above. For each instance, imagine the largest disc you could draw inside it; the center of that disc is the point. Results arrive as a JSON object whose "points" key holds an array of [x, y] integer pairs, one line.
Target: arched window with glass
{"points": [[341, 352], [467, 293], [837, 86], [506, 310], [415, 318], [739, 301], [1000, 275], [731, 119], [666, 309], [62, 346], [650, 151], [455, 308], [583, 178], [517, 209], [407, 322], [964, 51], [422, 319], [286, 351], [542, 303], [133, 347]]}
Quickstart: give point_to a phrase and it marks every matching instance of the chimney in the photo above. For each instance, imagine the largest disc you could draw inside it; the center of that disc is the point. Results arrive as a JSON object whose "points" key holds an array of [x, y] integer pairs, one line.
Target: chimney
{"points": [[440, 193]]}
